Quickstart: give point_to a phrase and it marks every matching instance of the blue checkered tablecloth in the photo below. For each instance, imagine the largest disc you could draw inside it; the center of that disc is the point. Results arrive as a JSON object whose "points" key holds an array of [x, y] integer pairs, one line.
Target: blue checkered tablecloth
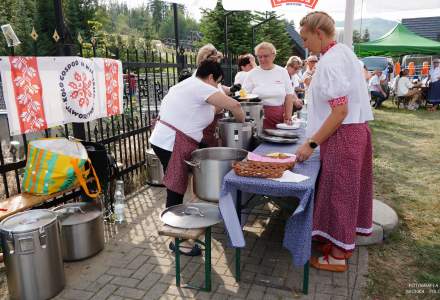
{"points": [[298, 231]]}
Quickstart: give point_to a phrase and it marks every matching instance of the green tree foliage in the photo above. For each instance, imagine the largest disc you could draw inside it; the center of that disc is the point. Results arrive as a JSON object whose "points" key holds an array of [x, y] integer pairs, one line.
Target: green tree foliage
{"points": [[274, 31], [366, 36], [212, 26], [356, 36], [186, 24], [159, 11], [91, 19]]}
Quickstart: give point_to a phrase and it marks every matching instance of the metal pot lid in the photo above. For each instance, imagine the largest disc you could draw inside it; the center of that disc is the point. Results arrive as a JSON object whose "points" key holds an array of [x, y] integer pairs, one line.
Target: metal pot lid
{"points": [[27, 221], [282, 133], [77, 213], [192, 215], [277, 139]]}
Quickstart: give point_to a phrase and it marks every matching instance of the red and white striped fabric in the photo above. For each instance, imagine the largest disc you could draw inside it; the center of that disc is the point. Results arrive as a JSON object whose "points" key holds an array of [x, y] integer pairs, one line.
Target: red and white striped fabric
{"points": [[42, 92]]}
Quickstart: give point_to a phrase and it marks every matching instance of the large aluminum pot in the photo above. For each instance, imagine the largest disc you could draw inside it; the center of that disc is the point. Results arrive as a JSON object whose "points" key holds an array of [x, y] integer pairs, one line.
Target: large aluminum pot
{"points": [[254, 111], [235, 134], [209, 166], [82, 230], [33, 255], [154, 169]]}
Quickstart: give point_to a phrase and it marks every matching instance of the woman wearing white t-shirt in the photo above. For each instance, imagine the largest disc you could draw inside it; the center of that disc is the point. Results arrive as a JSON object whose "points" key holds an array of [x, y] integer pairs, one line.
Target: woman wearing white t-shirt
{"points": [[293, 67], [337, 122], [273, 86], [246, 63], [185, 112]]}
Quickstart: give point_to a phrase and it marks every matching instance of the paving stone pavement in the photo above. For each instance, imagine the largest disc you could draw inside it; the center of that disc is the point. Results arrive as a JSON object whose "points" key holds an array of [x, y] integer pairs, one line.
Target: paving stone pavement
{"points": [[136, 263]]}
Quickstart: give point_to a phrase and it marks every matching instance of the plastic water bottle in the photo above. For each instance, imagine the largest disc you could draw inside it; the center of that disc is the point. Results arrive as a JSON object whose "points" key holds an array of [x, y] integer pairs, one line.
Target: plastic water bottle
{"points": [[119, 202]]}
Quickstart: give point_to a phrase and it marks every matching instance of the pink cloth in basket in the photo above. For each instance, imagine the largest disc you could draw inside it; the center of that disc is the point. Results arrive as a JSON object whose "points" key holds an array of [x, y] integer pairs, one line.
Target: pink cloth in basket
{"points": [[256, 157]]}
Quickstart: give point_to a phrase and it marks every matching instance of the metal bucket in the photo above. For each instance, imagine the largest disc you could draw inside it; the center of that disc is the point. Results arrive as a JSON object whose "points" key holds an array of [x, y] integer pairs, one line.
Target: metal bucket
{"points": [[33, 255], [234, 134], [209, 166], [154, 169]]}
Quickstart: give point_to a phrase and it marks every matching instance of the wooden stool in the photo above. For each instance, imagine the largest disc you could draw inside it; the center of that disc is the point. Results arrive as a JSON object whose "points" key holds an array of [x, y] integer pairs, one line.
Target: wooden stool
{"points": [[179, 235]]}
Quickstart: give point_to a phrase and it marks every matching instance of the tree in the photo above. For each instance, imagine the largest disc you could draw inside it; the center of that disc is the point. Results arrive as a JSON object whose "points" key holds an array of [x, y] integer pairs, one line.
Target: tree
{"points": [[356, 36], [275, 32], [366, 36], [159, 11], [186, 25], [239, 37]]}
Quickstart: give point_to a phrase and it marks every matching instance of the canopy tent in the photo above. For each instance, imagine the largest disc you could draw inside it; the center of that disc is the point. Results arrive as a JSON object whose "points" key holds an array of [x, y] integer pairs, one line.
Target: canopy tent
{"points": [[399, 41]]}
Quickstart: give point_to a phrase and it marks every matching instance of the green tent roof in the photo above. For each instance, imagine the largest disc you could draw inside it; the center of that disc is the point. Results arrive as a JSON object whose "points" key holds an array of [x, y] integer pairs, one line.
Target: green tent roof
{"points": [[399, 41]]}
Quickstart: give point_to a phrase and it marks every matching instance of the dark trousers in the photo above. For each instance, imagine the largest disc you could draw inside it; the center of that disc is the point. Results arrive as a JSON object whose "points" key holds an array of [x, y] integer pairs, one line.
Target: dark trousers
{"points": [[379, 98], [164, 156]]}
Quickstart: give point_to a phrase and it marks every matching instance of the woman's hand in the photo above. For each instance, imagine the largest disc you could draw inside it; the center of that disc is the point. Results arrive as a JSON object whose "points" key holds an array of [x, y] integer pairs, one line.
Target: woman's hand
{"points": [[303, 153], [288, 121]]}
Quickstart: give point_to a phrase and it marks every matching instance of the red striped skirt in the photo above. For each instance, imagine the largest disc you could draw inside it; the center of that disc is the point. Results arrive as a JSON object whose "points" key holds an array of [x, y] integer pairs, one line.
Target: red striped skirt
{"points": [[344, 199]]}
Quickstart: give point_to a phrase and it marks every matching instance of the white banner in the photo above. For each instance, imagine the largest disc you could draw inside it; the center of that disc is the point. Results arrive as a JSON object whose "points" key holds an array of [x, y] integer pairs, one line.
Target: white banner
{"points": [[42, 92]]}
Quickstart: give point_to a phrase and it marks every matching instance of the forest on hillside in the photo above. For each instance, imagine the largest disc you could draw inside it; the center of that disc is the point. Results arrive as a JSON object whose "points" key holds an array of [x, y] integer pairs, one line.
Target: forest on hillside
{"points": [[109, 23]]}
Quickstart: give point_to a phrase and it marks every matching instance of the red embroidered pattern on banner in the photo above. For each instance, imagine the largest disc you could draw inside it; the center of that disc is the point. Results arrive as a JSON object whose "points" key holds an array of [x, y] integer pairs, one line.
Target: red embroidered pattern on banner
{"points": [[81, 89], [111, 72], [338, 101], [307, 3], [28, 93]]}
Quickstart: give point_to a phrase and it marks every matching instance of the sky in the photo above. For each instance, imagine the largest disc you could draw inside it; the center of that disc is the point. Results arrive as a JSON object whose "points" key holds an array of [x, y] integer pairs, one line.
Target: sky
{"points": [[387, 9]]}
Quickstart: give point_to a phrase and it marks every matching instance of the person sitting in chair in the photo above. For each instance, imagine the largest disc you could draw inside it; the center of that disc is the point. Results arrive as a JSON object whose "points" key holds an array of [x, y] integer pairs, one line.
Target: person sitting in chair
{"points": [[376, 89], [405, 88]]}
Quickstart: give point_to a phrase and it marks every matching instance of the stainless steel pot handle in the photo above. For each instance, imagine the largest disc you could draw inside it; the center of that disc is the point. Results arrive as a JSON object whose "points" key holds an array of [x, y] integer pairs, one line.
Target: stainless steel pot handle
{"points": [[194, 164], [190, 209]]}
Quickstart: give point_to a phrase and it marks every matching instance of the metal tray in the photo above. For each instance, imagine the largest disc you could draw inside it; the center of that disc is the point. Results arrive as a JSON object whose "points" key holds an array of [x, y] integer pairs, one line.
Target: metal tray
{"points": [[277, 139], [282, 133], [191, 215]]}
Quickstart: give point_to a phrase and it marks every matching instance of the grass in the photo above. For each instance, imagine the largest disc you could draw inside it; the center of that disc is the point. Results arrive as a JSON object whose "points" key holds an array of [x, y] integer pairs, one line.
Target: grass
{"points": [[407, 177]]}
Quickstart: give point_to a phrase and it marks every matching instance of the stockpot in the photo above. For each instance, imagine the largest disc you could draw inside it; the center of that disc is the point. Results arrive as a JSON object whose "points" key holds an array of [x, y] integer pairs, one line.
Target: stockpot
{"points": [[209, 166], [235, 134], [82, 230], [32, 253]]}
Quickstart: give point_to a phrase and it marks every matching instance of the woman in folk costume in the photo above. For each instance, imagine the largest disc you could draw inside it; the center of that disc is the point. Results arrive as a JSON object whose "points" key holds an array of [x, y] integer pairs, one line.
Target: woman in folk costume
{"points": [[273, 86], [185, 112], [338, 114]]}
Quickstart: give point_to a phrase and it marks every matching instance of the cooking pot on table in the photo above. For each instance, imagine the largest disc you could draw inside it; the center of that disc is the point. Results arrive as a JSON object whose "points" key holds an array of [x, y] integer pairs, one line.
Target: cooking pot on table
{"points": [[82, 230], [209, 166], [254, 111], [236, 134], [33, 257]]}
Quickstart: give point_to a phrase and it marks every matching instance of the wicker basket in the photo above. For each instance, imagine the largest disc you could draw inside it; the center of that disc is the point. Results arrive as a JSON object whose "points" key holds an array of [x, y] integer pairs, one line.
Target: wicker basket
{"points": [[250, 168]]}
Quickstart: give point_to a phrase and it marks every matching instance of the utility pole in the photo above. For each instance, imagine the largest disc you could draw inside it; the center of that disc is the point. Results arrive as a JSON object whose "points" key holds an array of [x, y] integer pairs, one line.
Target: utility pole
{"points": [[64, 48]]}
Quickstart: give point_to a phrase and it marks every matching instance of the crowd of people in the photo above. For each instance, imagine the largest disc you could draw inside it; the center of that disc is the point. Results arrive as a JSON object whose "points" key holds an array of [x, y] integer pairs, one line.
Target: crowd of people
{"points": [[338, 106]]}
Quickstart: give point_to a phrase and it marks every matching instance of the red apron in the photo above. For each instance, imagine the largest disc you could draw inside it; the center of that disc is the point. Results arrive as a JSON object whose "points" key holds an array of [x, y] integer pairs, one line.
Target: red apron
{"points": [[176, 174], [273, 115], [209, 135]]}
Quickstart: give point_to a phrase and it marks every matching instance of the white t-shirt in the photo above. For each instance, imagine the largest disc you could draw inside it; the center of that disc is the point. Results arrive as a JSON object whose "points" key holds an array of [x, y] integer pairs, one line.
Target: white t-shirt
{"points": [[296, 81], [271, 86], [374, 83], [403, 86], [435, 74], [185, 108], [240, 77], [338, 74]]}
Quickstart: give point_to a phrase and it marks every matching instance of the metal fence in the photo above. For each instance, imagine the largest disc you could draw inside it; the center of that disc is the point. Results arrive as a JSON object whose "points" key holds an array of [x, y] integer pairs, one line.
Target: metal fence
{"points": [[148, 74]]}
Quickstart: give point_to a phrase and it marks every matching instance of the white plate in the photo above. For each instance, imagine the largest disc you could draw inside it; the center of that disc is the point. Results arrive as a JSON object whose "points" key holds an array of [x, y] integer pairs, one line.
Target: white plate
{"points": [[289, 127], [248, 97]]}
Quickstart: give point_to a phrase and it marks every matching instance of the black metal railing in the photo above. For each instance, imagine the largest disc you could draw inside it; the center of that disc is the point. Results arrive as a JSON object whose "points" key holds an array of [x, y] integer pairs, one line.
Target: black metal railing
{"points": [[148, 74]]}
